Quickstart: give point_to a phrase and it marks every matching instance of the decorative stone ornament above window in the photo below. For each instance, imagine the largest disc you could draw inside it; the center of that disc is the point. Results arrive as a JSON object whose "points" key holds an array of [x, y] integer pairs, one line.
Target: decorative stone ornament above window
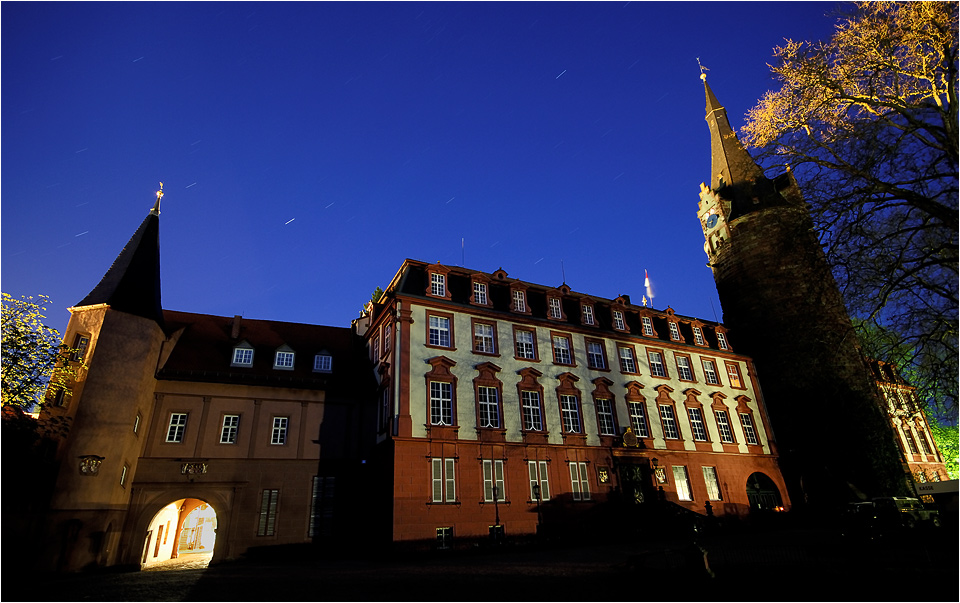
{"points": [[90, 465], [437, 282]]}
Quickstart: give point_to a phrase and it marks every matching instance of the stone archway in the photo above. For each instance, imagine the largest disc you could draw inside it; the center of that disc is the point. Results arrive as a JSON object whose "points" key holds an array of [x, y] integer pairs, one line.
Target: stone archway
{"points": [[763, 493], [181, 533]]}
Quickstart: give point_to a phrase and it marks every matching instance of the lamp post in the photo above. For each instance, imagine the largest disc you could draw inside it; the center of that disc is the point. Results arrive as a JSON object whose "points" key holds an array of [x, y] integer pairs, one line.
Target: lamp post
{"points": [[536, 494]]}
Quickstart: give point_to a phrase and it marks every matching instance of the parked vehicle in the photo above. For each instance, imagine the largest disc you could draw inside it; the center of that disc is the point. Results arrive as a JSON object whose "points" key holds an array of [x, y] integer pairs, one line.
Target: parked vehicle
{"points": [[904, 511]]}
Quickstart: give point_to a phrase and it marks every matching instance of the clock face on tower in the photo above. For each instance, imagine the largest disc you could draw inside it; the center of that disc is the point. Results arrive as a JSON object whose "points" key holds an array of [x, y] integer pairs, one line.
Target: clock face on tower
{"points": [[712, 220]]}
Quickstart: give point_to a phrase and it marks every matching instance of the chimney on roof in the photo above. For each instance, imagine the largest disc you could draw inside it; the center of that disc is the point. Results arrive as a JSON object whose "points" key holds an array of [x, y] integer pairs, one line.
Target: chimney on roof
{"points": [[235, 331]]}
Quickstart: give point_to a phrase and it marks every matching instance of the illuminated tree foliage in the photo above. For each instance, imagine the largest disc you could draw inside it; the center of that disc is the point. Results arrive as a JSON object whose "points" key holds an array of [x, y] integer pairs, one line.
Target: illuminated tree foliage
{"points": [[868, 123], [33, 355]]}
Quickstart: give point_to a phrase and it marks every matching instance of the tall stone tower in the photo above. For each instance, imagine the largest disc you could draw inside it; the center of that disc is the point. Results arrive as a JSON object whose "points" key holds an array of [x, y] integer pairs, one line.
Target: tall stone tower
{"points": [[783, 308], [119, 329]]}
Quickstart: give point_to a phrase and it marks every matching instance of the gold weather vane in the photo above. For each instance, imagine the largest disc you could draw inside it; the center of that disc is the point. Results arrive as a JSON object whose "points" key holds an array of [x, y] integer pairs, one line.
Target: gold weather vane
{"points": [[703, 70], [156, 207]]}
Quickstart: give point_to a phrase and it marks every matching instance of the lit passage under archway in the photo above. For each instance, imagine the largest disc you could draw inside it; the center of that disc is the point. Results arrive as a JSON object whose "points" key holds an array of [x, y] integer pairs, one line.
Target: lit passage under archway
{"points": [[184, 531], [763, 494]]}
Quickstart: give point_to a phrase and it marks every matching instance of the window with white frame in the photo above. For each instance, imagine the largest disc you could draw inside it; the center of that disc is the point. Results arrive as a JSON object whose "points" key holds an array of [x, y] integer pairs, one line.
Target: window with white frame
{"points": [[80, 344], [570, 413], [710, 372], [713, 483], [924, 442], [586, 314], [595, 357], [136, 423], [440, 331], [721, 340], [561, 350], [748, 431], [628, 364], [532, 413], [493, 484], [698, 335], [911, 442], [266, 525], [537, 470], [618, 322], [242, 356], [605, 416], [278, 436], [579, 481], [323, 363], [682, 481], [525, 344], [176, 427], [321, 505], [683, 368], [438, 284], [697, 425], [733, 374], [444, 480], [229, 428], [387, 333], [669, 422], [489, 409], [674, 331], [519, 301], [555, 309], [375, 349], [656, 364], [647, 326], [123, 476], [723, 426], [283, 360], [480, 293], [638, 419], [441, 403], [483, 340]]}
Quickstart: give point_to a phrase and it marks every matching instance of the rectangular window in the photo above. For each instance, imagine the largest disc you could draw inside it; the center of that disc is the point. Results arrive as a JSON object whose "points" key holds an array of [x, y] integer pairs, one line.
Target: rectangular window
{"points": [[911, 442], [444, 480], [80, 344], [283, 360], [748, 431], [228, 430], [561, 350], [488, 407], [723, 424], [480, 293], [586, 312], [323, 363], [483, 340], [733, 374], [493, 481], [321, 506], [441, 403], [266, 526], [555, 309], [440, 331], [525, 345], [713, 484], [923, 441], [647, 326], [683, 368], [595, 356], [579, 483], [721, 340], [438, 284], [638, 420], [656, 364], [710, 372], [618, 322], [136, 423], [682, 482], [177, 426], [279, 434], [243, 356], [123, 480], [669, 422], [605, 417], [538, 477], [570, 413], [532, 417], [519, 301], [698, 335], [375, 350], [445, 537], [674, 331], [387, 332], [628, 364], [697, 425]]}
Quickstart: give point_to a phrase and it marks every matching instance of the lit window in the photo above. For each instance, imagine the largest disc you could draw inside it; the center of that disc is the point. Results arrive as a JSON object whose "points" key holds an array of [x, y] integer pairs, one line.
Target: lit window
{"points": [[136, 423], [555, 309], [242, 356], [733, 374], [440, 331], [656, 364], [483, 338], [387, 330], [228, 430], [628, 364], [561, 350], [532, 414], [493, 486], [488, 407], [698, 335], [480, 293], [723, 425], [638, 420], [683, 368], [176, 427], [710, 372], [605, 417], [647, 326], [123, 475], [539, 481], [697, 425], [595, 355], [323, 363], [570, 413], [267, 523], [438, 284], [748, 431], [586, 312], [519, 301], [283, 360], [618, 322], [682, 482], [441, 403], [721, 340], [279, 434], [525, 345], [579, 483], [444, 479], [674, 331], [669, 422]]}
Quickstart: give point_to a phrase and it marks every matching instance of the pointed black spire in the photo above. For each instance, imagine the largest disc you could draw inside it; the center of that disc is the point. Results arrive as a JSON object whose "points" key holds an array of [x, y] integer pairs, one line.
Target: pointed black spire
{"points": [[731, 163], [132, 284]]}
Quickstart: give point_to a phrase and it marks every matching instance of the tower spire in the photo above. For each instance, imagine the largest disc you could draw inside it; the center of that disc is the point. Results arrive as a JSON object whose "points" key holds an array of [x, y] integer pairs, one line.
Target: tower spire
{"points": [[731, 164]]}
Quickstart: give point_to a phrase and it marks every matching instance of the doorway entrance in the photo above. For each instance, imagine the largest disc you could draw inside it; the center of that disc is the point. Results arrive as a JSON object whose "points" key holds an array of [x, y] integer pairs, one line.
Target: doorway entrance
{"points": [[181, 535], [763, 493]]}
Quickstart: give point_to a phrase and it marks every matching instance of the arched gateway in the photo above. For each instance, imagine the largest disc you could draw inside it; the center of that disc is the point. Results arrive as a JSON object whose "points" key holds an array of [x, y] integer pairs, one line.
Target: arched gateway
{"points": [[184, 529]]}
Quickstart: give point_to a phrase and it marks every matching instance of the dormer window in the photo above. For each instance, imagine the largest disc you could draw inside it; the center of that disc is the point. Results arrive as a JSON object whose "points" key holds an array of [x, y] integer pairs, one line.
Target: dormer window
{"points": [[698, 335], [322, 363], [647, 326], [480, 293], [722, 340], [283, 360], [674, 331], [586, 315], [519, 301], [618, 322], [555, 309], [242, 355], [438, 284]]}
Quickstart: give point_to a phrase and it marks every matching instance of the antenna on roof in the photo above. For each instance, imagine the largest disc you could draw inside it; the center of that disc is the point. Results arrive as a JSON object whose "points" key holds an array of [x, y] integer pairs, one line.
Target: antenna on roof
{"points": [[563, 273], [717, 320], [462, 264]]}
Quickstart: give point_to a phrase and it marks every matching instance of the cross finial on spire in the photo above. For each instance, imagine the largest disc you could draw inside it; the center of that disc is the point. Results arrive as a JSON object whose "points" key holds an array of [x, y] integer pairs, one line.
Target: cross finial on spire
{"points": [[156, 206], [703, 70]]}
